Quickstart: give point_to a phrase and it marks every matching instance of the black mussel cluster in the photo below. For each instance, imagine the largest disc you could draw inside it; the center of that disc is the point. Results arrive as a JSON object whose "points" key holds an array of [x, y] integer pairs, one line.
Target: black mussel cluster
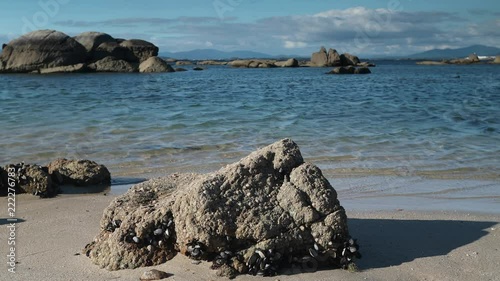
{"points": [[113, 225], [20, 170], [195, 249], [341, 254], [160, 235], [264, 262], [348, 252], [221, 259]]}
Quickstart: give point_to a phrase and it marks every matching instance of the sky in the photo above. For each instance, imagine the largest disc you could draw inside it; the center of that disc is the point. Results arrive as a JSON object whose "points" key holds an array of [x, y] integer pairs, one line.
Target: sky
{"points": [[276, 27]]}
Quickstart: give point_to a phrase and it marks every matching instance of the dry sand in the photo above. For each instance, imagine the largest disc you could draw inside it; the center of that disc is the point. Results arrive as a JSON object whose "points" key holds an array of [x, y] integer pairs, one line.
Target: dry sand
{"points": [[396, 245]]}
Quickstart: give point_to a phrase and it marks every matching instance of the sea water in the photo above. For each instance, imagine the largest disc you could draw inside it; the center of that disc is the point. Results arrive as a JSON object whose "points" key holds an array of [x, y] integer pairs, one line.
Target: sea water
{"points": [[402, 124]]}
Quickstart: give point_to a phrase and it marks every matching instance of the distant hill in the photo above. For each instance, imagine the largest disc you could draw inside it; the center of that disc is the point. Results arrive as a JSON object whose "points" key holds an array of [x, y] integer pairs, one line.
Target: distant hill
{"points": [[480, 50], [205, 54]]}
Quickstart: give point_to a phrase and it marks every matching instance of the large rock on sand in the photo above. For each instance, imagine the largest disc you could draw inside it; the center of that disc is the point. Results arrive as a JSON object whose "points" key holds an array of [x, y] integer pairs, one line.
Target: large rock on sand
{"points": [[154, 274], [155, 64], [41, 49], [78, 172], [270, 203]]}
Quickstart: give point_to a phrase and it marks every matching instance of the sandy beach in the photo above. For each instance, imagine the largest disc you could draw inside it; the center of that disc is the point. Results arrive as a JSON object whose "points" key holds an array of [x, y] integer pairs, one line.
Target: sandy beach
{"points": [[396, 245]]}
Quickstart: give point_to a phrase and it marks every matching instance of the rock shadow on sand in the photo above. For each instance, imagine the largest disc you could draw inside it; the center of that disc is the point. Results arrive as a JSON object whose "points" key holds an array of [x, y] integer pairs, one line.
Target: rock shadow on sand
{"points": [[8, 222], [91, 189], [391, 242], [118, 186]]}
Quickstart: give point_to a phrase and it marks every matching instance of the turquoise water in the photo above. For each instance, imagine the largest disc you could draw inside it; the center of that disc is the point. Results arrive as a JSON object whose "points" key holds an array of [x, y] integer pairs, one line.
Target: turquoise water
{"points": [[403, 120]]}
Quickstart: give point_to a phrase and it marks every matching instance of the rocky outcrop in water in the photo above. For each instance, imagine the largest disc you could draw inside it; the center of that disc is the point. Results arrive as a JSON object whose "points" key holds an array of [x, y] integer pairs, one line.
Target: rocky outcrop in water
{"points": [[75, 68], [184, 62], [288, 63], [472, 59], [155, 64], [211, 62], [41, 49], [264, 63], [496, 60], [139, 50], [268, 210], [350, 70], [333, 58], [109, 49], [112, 64], [320, 58], [253, 63], [92, 40], [45, 181], [50, 51], [348, 59]]}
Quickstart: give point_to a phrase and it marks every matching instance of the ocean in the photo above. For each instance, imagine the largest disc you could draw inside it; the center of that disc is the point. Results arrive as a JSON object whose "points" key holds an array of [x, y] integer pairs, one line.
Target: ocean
{"points": [[405, 131]]}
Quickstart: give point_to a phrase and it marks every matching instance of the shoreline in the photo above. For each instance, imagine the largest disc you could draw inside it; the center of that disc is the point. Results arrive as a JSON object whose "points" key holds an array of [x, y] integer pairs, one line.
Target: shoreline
{"points": [[392, 193], [396, 245]]}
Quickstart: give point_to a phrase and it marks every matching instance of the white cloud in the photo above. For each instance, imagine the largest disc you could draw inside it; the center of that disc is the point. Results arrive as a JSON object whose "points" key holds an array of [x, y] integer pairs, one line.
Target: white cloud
{"points": [[294, 44], [358, 30]]}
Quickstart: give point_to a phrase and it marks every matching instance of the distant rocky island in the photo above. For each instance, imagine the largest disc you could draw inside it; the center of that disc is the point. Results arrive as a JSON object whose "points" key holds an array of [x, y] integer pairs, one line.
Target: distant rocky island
{"points": [[454, 53], [471, 59], [51, 51]]}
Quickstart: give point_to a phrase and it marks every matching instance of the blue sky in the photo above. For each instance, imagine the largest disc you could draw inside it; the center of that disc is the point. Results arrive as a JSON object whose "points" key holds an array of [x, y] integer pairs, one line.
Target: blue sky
{"points": [[371, 27]]}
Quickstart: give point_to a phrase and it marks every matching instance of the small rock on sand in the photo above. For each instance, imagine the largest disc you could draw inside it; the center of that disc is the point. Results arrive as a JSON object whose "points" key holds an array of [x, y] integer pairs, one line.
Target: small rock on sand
{"points": [[154, 274]]}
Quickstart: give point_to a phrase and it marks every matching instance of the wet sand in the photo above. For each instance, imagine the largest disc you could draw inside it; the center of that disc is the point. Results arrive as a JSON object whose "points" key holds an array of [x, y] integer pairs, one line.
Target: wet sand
{"points": [[396, 245]]}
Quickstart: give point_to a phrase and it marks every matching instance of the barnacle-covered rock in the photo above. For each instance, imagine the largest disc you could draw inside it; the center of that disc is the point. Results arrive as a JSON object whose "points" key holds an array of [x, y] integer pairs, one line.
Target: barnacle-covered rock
{"points": [[79, 172], [30, 178], [129, 227], [45, 181], [268, 209]]}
